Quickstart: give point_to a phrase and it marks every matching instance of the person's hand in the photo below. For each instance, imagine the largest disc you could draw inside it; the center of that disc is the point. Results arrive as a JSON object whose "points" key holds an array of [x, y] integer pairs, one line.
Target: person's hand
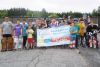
{"points": [[20, 36], [71, 32], [28, 31], [1, 36]]}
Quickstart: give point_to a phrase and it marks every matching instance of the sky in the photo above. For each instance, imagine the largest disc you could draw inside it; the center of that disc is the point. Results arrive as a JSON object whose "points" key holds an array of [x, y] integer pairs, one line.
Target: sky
{"points": [[52, 5]]}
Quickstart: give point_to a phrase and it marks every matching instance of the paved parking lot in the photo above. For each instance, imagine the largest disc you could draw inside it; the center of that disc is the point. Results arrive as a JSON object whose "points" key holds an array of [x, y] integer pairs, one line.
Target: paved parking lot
{"points": [[43, 58], [51, 57]]}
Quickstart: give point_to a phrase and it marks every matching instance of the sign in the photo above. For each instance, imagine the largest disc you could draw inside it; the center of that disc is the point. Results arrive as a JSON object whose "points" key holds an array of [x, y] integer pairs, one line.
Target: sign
{"points": [[53, 36]]}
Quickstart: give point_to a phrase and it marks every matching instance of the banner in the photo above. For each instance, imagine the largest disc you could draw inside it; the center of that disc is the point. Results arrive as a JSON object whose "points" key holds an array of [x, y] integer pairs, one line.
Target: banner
{"points": [[53, 36]]}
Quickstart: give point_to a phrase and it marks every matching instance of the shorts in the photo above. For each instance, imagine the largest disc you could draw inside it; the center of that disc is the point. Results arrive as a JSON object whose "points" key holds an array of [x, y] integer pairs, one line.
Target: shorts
{"points": [[30, 40]]}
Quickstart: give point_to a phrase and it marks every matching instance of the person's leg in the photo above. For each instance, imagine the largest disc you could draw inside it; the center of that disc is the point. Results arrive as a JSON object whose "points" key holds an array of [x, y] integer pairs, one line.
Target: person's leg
{"points": [[24, 41], [90, 41], [97, 46], [4, 44], [31, 45], [10, 43], [74, 42], [85, 44], [94, 43], [35, 40], [82, 38], [77, 45], [87, 39], [16, 43], [71, 45]]}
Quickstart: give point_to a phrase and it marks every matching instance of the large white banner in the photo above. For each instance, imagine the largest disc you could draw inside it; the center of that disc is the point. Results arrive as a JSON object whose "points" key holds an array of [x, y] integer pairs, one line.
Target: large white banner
{"points": [[53, 36]]}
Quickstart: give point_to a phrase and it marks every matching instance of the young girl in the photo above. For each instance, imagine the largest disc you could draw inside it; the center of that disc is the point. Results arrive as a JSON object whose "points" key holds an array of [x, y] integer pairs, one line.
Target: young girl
{"points": [[30, 37]]}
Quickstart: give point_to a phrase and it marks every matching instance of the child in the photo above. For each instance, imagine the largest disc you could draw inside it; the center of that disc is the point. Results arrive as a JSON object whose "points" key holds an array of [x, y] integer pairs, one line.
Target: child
{"points": [[30, 37], [17, 34], [24, 34], [73, 32]]}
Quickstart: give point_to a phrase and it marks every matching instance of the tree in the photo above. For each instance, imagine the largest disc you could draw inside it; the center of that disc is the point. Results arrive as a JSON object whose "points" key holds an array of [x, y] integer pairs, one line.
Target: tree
{"points": [[94, 13], [17, 12], [3, 13], [77, 15], [29, 13], [53, 15], [99, 11], [44, 14]]}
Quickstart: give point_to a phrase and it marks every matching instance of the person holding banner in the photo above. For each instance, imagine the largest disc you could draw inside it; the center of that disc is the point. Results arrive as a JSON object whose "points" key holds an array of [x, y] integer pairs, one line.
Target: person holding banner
{"points": [[73, 32], [77, 36], [43, 23], [54, 23]]}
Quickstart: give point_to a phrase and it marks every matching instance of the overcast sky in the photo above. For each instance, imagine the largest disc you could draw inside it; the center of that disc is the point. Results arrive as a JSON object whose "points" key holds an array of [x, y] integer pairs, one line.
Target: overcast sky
{"points": [[52, 5]]}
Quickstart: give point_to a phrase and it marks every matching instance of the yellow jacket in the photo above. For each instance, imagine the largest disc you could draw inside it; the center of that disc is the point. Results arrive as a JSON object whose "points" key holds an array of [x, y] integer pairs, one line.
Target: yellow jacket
{"points": [[81, 30]]}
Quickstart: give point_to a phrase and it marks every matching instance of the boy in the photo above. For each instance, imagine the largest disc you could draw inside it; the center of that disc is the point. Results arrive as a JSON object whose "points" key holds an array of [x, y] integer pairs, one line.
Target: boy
{"points": [[73, 32], [17, 34]]}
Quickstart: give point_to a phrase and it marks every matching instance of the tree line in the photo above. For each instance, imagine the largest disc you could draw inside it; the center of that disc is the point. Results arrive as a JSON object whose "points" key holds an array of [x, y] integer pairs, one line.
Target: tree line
{"points": [[22, 12]]}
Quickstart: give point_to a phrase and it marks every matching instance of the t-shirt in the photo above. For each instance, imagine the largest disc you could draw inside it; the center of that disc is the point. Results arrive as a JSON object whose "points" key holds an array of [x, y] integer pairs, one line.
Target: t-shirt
{"points": [[17, 29], [24, 28], [78, 27], [7, 27], [53, 25], [73, 29], [30, 33]]}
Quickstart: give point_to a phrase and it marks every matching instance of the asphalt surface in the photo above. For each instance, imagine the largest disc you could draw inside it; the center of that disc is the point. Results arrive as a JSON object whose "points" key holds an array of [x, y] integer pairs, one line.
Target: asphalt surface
{"points": [[92, 56], [51, 57]]}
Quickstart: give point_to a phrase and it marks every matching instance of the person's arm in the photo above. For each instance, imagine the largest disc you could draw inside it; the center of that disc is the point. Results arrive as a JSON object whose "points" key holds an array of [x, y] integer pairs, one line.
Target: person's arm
{"points": [[74, 31], [71, 31], [14, 31], [21, 31], [45, 25], [27, 31], [1, 29], [88, 29], [84, 25], [12, 28], [31, 31]]}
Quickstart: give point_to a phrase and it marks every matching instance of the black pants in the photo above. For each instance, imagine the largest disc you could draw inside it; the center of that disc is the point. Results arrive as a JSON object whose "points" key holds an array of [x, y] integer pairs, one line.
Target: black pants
{"points": [[24, 40], [77, 44], [7, 35]]}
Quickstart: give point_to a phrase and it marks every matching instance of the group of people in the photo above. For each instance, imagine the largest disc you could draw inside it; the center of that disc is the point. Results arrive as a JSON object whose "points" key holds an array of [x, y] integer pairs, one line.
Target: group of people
{"points": [[27, 30]]}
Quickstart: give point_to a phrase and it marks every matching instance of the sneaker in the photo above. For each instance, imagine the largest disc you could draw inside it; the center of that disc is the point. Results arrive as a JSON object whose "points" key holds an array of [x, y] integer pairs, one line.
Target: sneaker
{"points": [[90, 45], [94, 46]]}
